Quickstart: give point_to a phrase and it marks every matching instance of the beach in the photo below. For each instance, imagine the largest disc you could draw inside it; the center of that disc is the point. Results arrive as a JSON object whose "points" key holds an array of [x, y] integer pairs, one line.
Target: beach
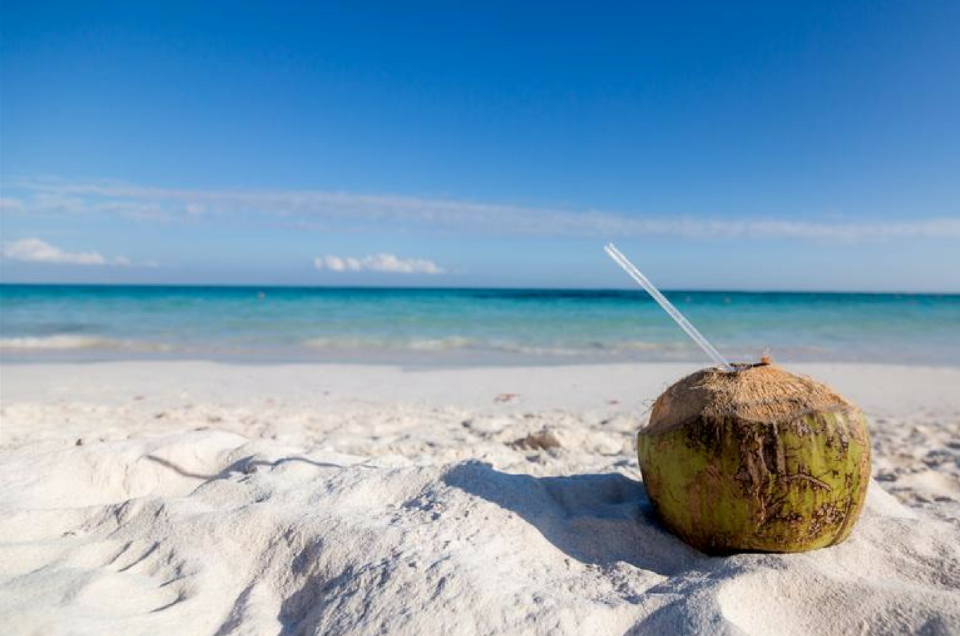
{"points": [[199, 497]]}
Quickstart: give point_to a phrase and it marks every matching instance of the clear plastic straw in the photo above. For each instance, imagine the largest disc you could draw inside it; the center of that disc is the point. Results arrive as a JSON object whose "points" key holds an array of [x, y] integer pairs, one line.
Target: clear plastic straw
{"points": [[636, 275]]}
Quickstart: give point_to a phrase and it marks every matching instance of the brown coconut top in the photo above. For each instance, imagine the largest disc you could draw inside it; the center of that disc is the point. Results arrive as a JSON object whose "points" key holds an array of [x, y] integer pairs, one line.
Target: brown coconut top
{"points": [[761, 393]]}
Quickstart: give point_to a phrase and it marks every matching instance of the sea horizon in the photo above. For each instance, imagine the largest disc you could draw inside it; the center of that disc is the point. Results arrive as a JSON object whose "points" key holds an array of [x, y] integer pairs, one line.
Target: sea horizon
{"points": [[680, 289]]}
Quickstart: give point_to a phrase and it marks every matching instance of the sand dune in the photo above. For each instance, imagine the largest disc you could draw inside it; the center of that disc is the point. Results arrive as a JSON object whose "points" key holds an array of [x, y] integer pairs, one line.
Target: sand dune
{"points": [[188, 498]]}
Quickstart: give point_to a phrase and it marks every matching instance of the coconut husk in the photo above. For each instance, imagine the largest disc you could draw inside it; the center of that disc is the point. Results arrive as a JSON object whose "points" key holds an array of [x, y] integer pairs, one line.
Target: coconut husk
{"points": [[754, 393]]}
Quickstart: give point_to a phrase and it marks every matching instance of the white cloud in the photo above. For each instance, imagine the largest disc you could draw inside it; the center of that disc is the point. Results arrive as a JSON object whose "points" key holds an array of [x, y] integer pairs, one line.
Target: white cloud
{"points": [[386, 263], [335, 263], [33, 250], [332, 263], [390, 263], [314, 210]]}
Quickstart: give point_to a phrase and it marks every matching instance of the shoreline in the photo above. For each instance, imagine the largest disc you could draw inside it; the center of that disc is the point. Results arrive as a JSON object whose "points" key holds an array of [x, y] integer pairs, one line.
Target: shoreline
{"points": [[448, 361], [886, 386]]}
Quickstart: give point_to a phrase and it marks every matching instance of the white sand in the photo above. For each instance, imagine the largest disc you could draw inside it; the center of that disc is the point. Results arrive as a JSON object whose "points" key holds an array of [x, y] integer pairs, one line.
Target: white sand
{"points": [[196, 498]]}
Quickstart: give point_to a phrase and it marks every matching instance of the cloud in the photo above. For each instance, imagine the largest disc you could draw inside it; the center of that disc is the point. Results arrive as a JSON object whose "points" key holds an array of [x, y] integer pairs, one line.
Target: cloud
{"points": [[385, 263], [337, 264], [392, 264], [33, 250], [326, 211]]}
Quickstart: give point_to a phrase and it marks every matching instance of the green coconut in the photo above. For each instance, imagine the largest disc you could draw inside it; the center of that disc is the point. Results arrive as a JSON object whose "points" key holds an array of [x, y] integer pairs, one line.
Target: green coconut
{"points": [[757, 459]]}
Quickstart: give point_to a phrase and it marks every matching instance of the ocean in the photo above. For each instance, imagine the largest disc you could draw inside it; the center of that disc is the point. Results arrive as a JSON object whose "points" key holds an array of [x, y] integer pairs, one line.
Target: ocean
{"points": [[466, 326]]}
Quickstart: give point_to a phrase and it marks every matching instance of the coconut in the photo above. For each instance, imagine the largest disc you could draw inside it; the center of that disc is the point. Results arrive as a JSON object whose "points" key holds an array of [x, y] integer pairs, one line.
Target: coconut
{"points": [[756, 459]]}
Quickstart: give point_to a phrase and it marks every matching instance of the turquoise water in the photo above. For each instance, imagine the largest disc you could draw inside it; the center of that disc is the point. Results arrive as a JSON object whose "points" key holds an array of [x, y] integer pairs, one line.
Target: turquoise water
{"points": [[466, 326]]}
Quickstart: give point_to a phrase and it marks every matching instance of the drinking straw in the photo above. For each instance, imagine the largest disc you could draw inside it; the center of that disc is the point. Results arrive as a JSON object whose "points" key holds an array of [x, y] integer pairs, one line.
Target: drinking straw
{"points": [[668, 307]]}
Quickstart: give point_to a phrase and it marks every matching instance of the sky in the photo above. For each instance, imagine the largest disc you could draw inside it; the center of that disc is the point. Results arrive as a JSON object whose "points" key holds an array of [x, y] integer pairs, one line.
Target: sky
{"points": [[735, 145]]}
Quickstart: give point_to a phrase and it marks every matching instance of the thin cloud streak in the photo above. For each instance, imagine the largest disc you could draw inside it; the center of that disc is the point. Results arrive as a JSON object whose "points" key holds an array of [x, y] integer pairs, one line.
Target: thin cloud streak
{"points": [[341, 210]]}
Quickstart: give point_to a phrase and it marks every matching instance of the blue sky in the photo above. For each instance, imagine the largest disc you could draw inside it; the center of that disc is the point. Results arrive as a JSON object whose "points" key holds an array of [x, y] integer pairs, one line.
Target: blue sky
{"points": [[721, 145]]}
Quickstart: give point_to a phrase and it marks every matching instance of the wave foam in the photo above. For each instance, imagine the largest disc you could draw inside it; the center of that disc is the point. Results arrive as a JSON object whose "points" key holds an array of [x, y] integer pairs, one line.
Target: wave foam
{"points": [[65, 342], [413, 344], [591, 348], [452, 343]]}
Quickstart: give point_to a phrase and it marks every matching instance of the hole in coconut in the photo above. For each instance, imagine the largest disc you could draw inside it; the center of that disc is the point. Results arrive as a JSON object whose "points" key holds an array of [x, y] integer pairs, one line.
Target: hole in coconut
{"points": [[743, 366]]}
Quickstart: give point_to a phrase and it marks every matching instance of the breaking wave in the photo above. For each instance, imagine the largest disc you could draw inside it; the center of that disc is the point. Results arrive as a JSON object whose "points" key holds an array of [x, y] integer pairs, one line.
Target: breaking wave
{"points": [[62, 342], [383, 344], [454, 343]]}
